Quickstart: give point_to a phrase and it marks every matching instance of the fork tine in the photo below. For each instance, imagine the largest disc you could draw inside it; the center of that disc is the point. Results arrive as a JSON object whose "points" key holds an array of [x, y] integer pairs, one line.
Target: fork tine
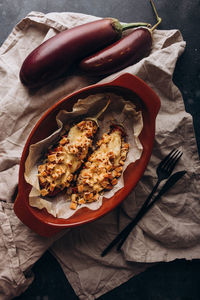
{"points": [[166, 158], [170, 158], [173, 161]]}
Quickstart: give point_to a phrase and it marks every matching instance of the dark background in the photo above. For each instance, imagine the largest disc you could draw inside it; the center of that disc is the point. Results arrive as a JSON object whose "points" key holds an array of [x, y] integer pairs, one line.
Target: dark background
{"points": [[178, 280]]}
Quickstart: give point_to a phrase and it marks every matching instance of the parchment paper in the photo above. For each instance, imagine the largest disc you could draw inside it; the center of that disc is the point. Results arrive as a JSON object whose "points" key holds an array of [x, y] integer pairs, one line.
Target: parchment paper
{"points": [[120, 111]]}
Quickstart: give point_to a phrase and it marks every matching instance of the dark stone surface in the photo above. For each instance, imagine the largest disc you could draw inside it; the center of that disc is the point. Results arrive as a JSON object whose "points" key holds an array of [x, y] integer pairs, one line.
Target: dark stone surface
{"points": [[178, 280]]}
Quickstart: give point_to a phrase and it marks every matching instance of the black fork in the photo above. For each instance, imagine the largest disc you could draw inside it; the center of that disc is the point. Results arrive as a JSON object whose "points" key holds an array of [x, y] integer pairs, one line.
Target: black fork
{"points": [[164, 170]]}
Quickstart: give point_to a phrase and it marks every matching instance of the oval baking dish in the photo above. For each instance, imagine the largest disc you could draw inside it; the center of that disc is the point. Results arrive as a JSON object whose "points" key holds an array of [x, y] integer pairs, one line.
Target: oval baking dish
{"points": [[126, 85]]}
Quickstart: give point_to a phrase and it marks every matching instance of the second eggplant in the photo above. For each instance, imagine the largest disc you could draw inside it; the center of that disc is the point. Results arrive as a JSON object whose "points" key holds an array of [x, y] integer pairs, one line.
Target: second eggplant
{"points": [[123, 53], [119, 55]]}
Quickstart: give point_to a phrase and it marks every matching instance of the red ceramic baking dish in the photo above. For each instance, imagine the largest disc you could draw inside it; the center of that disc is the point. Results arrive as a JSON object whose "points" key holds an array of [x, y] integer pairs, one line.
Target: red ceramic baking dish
{"points": [[145, 99]]}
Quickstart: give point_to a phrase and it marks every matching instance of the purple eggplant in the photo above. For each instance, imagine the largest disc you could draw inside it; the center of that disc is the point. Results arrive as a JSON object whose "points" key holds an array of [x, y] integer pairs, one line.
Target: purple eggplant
{"points": [[125, 52], [121, 54], [55, 56]]}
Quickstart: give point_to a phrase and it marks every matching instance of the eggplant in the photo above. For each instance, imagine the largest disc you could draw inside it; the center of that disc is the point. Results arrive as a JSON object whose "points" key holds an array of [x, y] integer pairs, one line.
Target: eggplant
{"points": [[55, 56], [121, 54]]}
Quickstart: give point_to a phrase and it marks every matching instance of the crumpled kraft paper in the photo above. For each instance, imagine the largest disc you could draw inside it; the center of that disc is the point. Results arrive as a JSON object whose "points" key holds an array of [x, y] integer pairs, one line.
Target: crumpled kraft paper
{"points": [[169, 231]]}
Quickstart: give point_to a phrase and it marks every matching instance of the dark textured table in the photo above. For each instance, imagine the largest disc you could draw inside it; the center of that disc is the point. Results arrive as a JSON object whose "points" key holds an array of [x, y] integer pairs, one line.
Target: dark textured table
{"points": [[178, 280]]}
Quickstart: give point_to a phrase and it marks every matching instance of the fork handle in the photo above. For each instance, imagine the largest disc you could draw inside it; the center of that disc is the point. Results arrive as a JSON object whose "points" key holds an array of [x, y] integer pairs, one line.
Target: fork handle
{"points": [[170, 182], [140, 213], [131, 225], [148, 199]]}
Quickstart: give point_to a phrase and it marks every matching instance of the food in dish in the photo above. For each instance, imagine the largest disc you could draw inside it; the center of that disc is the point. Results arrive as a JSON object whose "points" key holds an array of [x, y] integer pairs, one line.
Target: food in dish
{"points": [[104, 161], [57, 172], [102, 169]]}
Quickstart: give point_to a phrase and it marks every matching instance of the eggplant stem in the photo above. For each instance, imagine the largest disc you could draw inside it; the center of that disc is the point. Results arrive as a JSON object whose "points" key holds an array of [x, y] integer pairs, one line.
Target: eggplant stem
{"points": [[134, 25], [95, 118], [103, 109], [159, 20]]}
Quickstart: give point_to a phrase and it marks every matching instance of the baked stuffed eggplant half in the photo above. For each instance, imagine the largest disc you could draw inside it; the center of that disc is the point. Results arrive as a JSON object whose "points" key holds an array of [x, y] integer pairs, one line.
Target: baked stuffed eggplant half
{"points": [[103, 167], [62, 162]]}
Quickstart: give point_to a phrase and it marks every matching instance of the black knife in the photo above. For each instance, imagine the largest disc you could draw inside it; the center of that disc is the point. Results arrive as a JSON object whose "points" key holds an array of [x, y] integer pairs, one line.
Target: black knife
{"points": [[125, 232]]}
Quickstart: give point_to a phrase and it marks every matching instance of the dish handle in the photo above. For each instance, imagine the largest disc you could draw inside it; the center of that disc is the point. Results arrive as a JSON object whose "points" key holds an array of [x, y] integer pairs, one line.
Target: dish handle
{"points": [[23, 213], [142, 89]]}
